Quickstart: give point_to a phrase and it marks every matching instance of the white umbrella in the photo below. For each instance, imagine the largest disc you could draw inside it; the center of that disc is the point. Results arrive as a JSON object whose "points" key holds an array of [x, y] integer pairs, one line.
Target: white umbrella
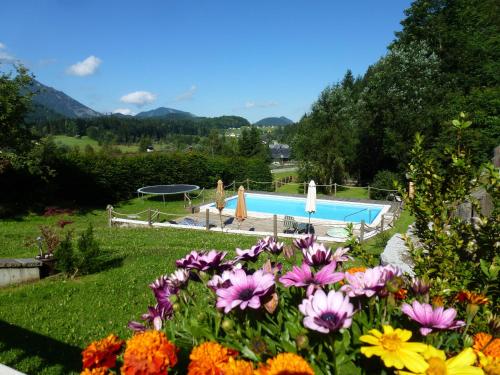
{"points": [[311, 201]]}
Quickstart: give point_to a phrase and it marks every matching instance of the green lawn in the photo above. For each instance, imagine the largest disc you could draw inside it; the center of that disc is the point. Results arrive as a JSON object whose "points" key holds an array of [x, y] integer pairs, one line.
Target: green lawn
{"points": [[45, 325]]}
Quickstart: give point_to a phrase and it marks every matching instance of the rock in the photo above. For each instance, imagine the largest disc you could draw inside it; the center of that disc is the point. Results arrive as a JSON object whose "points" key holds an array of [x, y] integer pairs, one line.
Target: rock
{"points": [[397, 254]]}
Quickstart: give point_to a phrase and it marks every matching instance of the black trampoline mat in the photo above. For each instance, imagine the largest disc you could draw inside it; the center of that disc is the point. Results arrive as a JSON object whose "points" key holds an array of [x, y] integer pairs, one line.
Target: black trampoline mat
{"points": [[167, 189]]}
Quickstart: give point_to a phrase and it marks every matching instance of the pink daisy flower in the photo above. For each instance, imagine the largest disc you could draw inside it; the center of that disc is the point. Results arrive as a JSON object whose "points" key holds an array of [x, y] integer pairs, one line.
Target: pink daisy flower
{"points": [[245, 290], [430, 318], [303, 277], [327, 313]]}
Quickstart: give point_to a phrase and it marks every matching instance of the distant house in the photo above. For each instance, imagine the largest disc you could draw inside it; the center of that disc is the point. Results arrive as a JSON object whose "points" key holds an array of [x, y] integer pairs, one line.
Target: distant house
{"points": [[280, 152]]}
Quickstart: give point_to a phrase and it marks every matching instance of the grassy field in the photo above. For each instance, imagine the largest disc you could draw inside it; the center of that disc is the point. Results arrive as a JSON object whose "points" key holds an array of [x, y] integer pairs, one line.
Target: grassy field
{"points": [[45, 325], [84, 141], [294, 188]]}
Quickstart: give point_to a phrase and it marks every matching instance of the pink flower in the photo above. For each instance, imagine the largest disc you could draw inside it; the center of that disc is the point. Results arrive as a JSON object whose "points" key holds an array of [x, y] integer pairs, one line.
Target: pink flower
{"points": [[303, 277], [245, 290], [430, 318], [202, 261], [250, 254], [156, 315], [162, 289], [327, 313], [270, 244], [340, 254], [317, 255], [370, 282], [305, 242]]}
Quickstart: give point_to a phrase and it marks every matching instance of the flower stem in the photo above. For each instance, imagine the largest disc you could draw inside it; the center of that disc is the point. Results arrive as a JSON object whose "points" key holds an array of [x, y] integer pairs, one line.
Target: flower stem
{"points": [[332, 349]]}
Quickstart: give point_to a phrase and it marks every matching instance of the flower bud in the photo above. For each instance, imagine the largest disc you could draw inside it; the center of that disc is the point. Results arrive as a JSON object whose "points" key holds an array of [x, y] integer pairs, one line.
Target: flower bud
{"points": [[420, 286], [494, 325], [468, 341], [176, 307], [302, 341], [471, 309], [227, 325], [201, 316], [394, 285]]}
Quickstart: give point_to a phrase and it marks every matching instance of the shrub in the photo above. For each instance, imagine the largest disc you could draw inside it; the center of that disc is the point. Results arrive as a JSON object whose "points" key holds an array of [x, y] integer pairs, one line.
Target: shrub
{"points": [[90, 252], [384, 180], [87, 259], [66, 259]]}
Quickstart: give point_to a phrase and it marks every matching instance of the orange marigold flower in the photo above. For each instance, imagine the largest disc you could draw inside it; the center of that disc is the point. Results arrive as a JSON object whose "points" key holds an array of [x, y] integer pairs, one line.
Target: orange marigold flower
{"points": [[472, 298], [236, 367], [485, 343], [102, 353], [208, 358], [150, 353], [437, 301], [95, 371], [285, 364], [353, 270], [401, 294]]}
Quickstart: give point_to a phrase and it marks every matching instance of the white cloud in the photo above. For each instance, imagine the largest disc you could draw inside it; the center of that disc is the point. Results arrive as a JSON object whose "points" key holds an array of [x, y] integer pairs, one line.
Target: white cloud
{"points": [[124, 111], [187, 95], [268, 104], [139, 98], [6, 57], [86, 67]]}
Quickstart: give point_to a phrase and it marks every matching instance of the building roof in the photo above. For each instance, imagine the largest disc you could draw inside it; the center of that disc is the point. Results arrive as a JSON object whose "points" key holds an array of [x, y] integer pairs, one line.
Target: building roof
{"points": [[280, 151]]}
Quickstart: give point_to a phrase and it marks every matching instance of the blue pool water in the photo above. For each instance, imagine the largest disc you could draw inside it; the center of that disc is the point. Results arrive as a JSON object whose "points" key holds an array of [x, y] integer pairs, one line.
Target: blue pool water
{"points": [[294, 206]]}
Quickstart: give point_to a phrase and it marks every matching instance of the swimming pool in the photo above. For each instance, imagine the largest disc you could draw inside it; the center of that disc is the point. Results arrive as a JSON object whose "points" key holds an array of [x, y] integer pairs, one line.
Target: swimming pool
{"points": [[264, 205]]}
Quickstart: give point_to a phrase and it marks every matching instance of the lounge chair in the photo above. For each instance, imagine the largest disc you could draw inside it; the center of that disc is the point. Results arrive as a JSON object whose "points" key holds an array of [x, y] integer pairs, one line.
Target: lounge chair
{"points": [[305, 228], [229, 221], [290, 225], [195, 223]]}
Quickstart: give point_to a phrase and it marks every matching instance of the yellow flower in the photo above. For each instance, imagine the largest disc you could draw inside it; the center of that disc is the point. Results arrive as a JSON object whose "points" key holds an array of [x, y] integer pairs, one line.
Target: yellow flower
{"points": [[285, 364], [437, 364], [490, 365], [392, 347]]}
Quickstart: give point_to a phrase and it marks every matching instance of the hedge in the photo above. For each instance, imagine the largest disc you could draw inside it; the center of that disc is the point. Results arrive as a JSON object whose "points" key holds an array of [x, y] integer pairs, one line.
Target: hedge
{"points": [[96, 179]]}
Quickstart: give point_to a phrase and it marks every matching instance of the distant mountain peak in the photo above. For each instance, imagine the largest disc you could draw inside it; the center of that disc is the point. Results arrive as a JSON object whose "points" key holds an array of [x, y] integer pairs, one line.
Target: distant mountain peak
{"points": [[60, 103], [274, 121], [163, 112]]}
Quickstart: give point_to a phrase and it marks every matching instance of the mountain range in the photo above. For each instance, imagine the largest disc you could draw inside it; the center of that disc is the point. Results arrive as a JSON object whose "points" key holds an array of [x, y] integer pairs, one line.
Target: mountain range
{"points": [[47, 99], [164, 112], [49, 103], [274, 121]]}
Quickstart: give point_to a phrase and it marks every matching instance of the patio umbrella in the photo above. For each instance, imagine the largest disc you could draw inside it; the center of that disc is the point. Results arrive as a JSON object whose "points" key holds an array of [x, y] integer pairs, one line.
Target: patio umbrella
{"points": [[241, 207], [311, 202], [220, 201]]}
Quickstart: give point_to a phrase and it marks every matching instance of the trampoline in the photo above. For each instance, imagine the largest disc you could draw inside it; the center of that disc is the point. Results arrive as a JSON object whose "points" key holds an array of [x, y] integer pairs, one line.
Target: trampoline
{"points": [[168, 190]]}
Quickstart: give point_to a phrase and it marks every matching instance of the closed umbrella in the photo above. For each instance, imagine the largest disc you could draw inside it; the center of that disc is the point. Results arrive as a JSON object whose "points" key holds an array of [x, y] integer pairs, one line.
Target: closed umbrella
{"points": [[241, 207], [220, 201], [311, 202]]}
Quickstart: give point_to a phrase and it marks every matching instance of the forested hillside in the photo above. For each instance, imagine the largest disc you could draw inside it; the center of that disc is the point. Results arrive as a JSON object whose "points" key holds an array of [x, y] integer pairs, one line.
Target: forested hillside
{"points": [[444, 60], [128, 129]]}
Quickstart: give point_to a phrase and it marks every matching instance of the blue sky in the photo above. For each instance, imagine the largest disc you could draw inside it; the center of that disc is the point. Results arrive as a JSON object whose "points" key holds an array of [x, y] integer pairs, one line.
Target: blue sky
{"points": [[249, 58]]}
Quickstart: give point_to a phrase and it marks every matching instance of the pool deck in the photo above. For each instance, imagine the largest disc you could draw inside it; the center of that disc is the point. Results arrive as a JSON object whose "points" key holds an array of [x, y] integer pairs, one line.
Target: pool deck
{"points": [[265, 226]]}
